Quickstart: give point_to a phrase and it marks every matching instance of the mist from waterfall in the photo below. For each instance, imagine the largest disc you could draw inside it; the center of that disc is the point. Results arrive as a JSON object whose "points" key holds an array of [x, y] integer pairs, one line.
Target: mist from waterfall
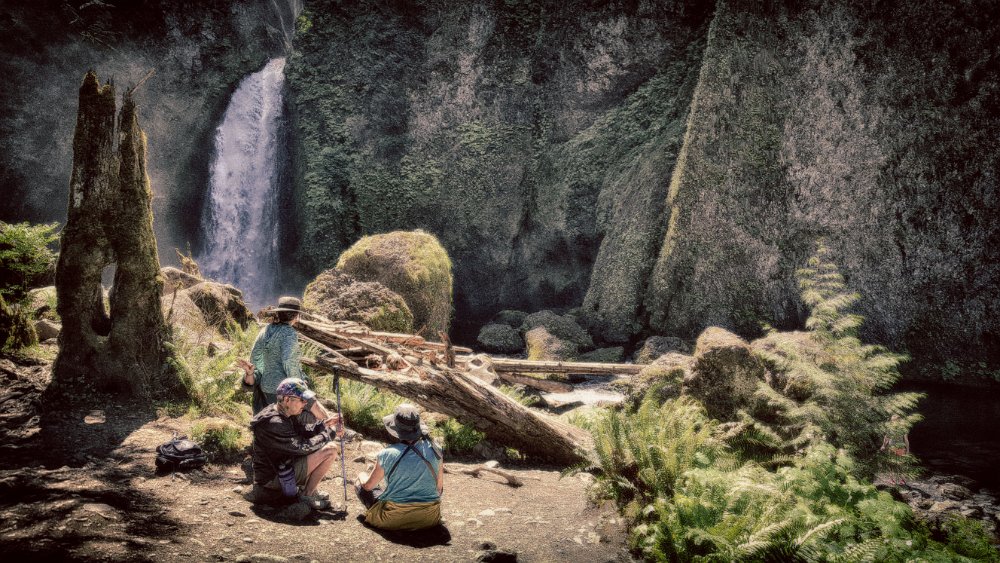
{"points": [[241, 219]]}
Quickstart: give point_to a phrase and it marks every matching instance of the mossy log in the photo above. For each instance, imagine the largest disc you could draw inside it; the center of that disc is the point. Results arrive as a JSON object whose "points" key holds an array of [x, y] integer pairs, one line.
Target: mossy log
{"points": [[457, 394]]}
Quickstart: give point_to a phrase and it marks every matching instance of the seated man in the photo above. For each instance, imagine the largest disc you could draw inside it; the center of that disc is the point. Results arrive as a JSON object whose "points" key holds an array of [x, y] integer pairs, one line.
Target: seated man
{"points": [[291, 433], [414, 474]]}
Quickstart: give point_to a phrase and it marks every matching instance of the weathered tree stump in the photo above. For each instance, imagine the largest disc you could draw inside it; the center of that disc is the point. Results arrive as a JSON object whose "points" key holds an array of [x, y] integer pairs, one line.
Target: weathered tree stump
{"points": [[110, 223]]}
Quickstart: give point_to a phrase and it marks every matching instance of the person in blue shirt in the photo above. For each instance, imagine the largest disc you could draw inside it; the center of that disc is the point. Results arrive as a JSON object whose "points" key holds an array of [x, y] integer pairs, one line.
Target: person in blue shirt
{"points": [[275, 355], [413, 470]]}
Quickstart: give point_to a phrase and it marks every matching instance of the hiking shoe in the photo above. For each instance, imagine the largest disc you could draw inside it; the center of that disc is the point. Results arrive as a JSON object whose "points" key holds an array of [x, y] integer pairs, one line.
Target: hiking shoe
{"points": [[315, 502]]}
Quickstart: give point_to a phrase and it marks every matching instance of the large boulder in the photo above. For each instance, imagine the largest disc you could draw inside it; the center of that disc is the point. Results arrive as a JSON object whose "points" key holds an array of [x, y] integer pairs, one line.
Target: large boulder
{"points": [[543, 345], [563, 327], [611, 355], [725, 374], [414, 265], [339, 296], [42, 302], [176, 279], [46, 329], [510, 317], [656, 346], [501, 338], [205, 312]]}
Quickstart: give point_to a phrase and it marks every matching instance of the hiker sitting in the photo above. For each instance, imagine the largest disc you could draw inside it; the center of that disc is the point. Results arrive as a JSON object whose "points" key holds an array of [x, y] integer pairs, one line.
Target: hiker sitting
{"points": [[291, 447], [414, 473]]}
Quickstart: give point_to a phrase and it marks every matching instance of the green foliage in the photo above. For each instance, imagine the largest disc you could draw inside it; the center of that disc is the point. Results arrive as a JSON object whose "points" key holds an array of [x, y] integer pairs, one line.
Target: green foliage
{"points": [[16, 330], [969, 538], [222, 440], [518, 395], [847, 380], [25, 257], [208, 375], [458, 438], [643, 454], [362, 405]]}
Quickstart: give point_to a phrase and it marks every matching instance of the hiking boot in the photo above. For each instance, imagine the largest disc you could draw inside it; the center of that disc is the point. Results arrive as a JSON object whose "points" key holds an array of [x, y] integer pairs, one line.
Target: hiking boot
{"points": [[315, 502]]}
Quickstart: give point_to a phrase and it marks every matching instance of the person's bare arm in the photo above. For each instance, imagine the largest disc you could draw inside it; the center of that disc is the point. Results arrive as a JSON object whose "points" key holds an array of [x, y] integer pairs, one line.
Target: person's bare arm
{"points": [[374, 478], [440, 476]]}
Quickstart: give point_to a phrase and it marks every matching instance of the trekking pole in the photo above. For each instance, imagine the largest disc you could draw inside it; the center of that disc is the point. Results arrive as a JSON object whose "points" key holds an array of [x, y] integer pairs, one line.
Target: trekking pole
{"points": [[340, 425]]}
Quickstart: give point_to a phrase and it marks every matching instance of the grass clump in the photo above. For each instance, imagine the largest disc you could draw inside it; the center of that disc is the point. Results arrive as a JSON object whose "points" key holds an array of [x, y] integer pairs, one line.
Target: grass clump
{"points": [[458, 438], [223, 440]]}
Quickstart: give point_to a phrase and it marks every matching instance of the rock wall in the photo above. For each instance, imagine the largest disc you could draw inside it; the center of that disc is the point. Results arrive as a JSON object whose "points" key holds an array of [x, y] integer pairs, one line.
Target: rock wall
{"points": [[665, 168]]}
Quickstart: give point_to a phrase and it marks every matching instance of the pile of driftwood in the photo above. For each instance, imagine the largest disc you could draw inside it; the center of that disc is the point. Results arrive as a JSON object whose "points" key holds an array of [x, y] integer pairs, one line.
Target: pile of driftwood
{"points": [[454, 381]]}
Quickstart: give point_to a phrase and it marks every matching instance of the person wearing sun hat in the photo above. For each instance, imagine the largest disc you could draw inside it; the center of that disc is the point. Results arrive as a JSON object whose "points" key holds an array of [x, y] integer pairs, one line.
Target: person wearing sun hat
{"points": [[291, 433], [275, 354], [413, 470]]}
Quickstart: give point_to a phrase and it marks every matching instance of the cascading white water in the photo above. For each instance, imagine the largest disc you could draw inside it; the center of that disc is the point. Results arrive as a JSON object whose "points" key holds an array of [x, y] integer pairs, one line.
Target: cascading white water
{"points": [[241, 220]]}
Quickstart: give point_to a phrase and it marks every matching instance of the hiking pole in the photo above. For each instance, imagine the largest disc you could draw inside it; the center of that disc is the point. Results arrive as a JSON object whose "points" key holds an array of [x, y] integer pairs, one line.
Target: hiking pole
{"points": [[340, 424]]}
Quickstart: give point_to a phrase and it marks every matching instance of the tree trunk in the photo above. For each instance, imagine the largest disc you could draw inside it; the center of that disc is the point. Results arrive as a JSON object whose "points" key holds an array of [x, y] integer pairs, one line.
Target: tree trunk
{"points": [[110, 223], [471, 401]]}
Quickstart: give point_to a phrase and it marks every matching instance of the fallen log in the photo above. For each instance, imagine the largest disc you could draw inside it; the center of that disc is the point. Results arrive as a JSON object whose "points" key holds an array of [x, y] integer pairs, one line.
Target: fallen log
{"points": [[457, 394], [537, 383], [530, 366]]}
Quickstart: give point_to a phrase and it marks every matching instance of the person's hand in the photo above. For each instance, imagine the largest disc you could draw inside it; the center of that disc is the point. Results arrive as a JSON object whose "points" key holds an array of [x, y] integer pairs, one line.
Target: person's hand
{"points": [[334, 420], [247, 366]]}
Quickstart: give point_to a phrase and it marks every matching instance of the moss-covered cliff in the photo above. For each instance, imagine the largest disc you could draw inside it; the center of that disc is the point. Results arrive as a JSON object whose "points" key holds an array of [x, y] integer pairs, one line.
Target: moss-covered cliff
{"points": [[517, 132], [875, 128]]}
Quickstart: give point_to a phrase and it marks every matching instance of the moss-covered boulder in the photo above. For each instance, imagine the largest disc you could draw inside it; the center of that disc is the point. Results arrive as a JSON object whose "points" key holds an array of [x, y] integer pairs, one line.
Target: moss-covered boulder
{"points": [[42, 302], [611, 355], [725, 374], [339, 296], [16, 330], [543, 345], [664, 376], [510, 317], [177, 279], [563, 327], [414, 265], [656, 346], [46, 329], [501, 338], [203, 313]]}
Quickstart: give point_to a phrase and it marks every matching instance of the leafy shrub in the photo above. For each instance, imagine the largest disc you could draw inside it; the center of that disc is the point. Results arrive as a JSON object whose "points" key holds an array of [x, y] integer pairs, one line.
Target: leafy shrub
{"points": [[458, 438], [25, 257], [223, 440], [16, 330], [362, 405], [208, 375]]}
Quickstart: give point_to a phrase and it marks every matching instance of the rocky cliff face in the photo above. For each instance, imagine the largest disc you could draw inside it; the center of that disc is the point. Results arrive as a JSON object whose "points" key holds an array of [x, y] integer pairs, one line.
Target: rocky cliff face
{"points": [[661, 166], [668, 168], [199, 53]]}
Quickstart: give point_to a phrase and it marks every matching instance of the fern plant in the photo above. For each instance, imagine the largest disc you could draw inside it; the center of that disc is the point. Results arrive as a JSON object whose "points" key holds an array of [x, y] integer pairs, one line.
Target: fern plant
{"points": [[842, 383]]}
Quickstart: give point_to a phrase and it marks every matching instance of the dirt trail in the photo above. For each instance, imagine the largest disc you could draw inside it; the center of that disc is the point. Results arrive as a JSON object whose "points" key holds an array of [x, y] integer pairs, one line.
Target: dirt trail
{"points": [[80, 485]]}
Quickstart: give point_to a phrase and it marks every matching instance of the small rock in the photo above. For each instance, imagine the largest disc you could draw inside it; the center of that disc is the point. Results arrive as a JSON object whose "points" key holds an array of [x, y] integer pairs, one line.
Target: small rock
{"points": [[942, 506], [485, 545], [488, 512], [953, 491], [578, 540], [267, 558], [237, 513], [475, 521], [248, 539], [492, 464], [497, 556], [502, 510], [95, 417]]}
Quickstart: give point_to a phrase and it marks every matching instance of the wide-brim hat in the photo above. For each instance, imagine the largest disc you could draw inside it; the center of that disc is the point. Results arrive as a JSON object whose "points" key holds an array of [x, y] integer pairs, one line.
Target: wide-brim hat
{"points": [[288, 302], [404, 424]]}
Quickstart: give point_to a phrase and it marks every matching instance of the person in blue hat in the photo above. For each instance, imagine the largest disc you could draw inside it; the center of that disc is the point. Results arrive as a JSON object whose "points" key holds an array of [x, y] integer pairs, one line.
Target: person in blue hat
{"points": [[292, 451]]}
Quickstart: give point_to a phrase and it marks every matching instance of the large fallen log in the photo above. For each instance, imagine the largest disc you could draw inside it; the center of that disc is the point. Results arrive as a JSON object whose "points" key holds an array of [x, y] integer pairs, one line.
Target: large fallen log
{"points": [[537, 383], [533, 366], [455, 393]]}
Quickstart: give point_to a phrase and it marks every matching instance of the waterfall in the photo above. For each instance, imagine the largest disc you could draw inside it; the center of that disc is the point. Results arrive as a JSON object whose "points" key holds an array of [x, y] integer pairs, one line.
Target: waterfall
{"points": [[241, 220]]}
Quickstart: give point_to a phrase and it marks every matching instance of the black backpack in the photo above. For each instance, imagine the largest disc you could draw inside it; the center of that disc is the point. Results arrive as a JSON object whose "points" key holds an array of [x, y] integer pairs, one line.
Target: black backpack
{"points": [[179, 453]]}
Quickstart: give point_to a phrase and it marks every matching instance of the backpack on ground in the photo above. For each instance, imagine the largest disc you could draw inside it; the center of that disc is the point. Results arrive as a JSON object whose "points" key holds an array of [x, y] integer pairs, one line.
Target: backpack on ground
{"points": [[179, 453]]}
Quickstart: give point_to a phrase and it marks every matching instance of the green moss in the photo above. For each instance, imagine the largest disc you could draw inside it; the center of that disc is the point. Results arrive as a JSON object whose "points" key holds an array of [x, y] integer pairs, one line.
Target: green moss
{"points": [[224, 441], [414, 265]]}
